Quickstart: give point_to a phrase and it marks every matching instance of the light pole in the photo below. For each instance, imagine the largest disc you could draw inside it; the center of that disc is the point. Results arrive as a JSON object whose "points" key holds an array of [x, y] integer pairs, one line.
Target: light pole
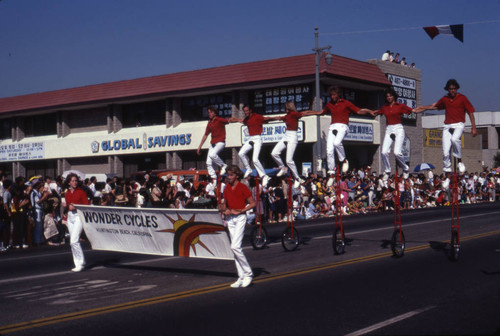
{"points": [[317, 100], [328, 59]]}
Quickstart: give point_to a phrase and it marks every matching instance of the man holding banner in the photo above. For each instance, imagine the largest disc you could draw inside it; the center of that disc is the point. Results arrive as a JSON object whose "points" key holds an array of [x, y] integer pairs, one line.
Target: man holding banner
{"points": [[237, 201]]}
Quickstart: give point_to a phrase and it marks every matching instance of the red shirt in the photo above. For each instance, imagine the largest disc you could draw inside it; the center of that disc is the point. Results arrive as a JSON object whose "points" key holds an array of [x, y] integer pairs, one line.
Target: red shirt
{"points": [[217, 126], [76, 197], [393, 112], [254, 123], [340, 111], [236, 197], [292, 120], [455, 108]]}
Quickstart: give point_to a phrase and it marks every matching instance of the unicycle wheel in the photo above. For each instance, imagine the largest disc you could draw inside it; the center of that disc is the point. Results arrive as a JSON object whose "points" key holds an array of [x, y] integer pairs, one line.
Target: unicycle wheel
{"points": [[290, 239], [398, 243], [339, 241], [455, 246], [258, 237]]}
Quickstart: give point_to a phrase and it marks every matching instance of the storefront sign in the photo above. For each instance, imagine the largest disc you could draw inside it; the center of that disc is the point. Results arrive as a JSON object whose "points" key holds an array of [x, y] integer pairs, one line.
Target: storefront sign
{"points": [[406, 88], [273, 132], [159, 141], [273, 100], [406, 149], [360, 132], [433, 138], [22, 151]]}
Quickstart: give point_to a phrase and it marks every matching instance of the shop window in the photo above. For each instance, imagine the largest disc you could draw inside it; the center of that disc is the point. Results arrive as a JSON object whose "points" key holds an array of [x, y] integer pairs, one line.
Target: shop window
{"points": [[40, 125], [272, 100], [195, 108], [144, 114], [5, 129]]}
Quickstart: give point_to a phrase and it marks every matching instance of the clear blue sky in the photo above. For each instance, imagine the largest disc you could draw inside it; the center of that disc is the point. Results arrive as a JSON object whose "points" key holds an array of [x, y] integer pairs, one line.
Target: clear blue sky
{"points": [[55, 44]]}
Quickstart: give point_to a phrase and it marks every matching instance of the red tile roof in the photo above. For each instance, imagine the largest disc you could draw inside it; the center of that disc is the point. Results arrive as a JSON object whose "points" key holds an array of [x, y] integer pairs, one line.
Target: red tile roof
{"points": [[238, 74]]}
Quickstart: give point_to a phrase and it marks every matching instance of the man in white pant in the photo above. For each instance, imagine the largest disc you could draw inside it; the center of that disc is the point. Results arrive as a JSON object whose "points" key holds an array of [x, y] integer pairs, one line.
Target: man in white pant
{"points": [[339, 109], [254, 122], [217, 127], [394, 132], [237, 201], [455, 105]]}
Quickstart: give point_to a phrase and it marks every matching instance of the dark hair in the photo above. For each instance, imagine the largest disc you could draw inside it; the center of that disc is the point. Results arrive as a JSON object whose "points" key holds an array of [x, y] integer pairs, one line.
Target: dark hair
{"points": [[392, 93], [70, 176], [335, 89], [451, 82], [236, 171], [213, 109]]}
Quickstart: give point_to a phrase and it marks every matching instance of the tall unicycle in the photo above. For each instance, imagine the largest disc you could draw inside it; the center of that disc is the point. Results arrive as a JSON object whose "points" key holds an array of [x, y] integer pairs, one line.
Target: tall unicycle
{"points": [[455, 219], [258, 234], [338, 239], [290, 237], [398, 238]]}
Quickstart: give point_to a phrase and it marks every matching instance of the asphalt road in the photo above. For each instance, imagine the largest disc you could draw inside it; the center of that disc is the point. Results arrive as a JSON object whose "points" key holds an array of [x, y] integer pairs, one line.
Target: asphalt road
{"points": [[309, 291]]}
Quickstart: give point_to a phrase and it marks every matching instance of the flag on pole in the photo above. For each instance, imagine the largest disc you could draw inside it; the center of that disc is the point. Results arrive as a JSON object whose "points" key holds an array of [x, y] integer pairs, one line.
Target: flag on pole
{"points": [[456, 30]]}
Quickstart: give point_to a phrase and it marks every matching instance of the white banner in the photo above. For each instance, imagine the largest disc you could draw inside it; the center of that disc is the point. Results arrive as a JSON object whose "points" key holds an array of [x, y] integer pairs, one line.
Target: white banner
{"points": [[22, 151], [359, 131], [170, 232], [273, 132]]}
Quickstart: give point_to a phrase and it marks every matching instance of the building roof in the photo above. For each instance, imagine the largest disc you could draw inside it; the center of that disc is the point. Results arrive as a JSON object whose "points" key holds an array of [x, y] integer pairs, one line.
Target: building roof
{"points": [[230, 75]]}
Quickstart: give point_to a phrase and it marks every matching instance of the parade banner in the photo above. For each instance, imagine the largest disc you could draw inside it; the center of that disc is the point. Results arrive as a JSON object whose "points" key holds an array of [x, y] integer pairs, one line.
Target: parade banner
{"points": [[169, 232]]}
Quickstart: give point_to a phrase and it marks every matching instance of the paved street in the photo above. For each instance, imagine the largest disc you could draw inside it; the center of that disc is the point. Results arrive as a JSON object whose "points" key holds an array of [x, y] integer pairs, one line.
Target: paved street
{"points": [[309, 291]]}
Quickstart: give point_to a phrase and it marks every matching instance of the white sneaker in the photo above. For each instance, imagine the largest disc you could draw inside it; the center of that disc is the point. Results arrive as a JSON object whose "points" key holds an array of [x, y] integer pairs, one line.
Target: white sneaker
{"points": [[446, 183], [246, 281], [223, 169], [282, 171], [385, 177], [297, 183], [77, 269], [345, 166], [236, 284], [461, 167], [265, 180], [331, 172], [330, 182], [406, 175], [248, 172], [447, 170]]}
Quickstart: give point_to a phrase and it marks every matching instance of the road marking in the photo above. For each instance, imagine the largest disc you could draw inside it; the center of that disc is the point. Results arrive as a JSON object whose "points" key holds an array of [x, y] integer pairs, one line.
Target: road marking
{"points": [[204, 290], [389, 321]]}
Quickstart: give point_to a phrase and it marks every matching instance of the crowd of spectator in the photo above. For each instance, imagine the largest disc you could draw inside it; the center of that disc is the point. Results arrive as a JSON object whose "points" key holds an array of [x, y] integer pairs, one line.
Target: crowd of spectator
{"points": [[389, 56], [32, 212]]}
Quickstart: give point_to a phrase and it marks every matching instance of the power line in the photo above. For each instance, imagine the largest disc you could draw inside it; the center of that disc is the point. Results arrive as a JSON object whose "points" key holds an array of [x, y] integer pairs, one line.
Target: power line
{"points": [[396, 29]]}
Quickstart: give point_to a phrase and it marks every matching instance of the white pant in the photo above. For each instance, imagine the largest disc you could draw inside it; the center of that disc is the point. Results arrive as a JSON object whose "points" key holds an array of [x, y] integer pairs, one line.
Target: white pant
{"points": [[399, 132], [256, 140], [452, 142], [334, 144], [289, 142], [75, 229], [213, 157], [236, 228]]}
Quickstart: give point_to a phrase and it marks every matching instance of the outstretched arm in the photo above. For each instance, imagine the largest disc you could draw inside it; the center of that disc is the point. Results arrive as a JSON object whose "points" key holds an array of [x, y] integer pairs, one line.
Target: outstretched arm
{"points": [[423, 108], [234, 119], [367, 111]]}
